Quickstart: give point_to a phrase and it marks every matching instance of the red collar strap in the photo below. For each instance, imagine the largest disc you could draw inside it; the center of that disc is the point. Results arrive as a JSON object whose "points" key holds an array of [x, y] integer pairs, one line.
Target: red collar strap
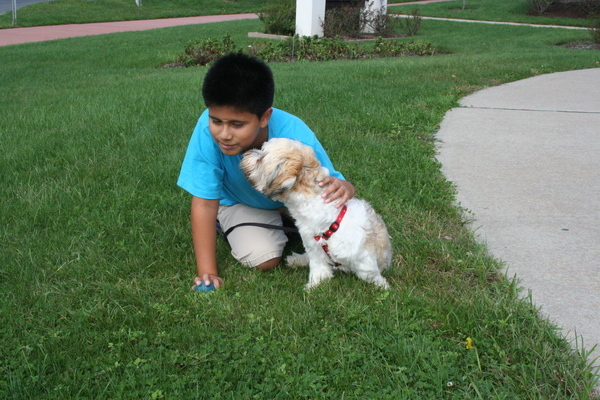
{"points": [[332, 229], [335, 226]]}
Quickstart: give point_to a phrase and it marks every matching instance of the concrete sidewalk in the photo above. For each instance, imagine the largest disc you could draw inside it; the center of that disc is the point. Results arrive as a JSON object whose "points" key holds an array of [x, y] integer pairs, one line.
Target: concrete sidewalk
{"points": [[525, 158]]}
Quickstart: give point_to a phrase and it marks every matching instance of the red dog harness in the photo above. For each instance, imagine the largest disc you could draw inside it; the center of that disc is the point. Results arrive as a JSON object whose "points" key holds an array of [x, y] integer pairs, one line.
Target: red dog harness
{"points": [[327, 234]]}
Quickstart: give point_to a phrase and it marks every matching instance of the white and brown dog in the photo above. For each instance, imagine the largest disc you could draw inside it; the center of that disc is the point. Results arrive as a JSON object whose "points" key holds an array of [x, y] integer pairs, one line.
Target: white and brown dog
{"points": [[352, 239]]}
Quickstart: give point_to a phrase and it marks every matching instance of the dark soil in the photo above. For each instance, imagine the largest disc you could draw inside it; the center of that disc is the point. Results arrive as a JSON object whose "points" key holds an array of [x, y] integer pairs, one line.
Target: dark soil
{"points": [[578, 9], [582, 44]]}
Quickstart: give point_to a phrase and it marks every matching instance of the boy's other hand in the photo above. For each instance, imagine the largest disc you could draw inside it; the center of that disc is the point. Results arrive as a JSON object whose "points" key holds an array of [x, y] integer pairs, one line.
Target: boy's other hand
{"points": [[337, 189], [208, 279]]}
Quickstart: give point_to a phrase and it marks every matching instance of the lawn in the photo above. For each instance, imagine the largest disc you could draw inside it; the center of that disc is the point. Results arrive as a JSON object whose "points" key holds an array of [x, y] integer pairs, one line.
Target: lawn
{"points": [[96, 260], [486, 10], [57, 12]]}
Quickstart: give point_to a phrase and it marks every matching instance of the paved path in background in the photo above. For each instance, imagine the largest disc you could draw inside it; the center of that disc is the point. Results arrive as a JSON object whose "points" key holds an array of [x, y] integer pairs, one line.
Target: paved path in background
{"points": [[43, 33], [525, 158]]}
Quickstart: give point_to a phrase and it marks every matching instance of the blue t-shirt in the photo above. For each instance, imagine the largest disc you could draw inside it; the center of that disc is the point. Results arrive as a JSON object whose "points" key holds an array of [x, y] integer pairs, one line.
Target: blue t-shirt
{"points": [[209, 174]]}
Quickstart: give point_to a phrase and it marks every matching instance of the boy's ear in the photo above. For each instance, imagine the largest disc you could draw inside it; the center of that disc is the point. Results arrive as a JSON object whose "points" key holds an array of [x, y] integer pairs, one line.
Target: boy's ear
{"points": [[266, 117]]}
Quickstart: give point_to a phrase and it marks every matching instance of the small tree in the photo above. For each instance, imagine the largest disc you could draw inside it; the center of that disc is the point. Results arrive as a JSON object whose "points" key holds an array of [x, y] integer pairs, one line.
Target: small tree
{"points": [[539, 7], [279, 17], [595, 30], [411, 25], [378, 21]]}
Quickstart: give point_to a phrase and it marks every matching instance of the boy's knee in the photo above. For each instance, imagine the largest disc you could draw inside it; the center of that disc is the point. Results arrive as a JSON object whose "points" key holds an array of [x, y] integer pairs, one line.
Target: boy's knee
{"points": [[269, 264]]}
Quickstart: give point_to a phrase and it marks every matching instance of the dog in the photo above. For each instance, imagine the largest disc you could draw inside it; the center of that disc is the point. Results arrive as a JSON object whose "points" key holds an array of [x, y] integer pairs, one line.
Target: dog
{"points": [[352, 238]]}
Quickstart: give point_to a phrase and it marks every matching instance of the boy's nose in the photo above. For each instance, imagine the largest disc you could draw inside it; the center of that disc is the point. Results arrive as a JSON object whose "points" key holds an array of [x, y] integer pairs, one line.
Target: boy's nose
{"points": [[225, 133]]}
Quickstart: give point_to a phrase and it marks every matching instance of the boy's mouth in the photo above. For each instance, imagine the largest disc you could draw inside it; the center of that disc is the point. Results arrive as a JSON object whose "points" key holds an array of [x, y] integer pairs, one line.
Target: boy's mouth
{"points": [[227, 146]]}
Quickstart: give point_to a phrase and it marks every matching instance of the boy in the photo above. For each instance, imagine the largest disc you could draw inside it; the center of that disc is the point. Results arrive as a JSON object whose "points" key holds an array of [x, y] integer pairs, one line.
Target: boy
{"points": [[238, 91]]}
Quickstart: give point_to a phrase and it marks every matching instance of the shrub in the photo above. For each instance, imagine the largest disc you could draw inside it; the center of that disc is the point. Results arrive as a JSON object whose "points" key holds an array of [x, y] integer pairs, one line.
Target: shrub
{"points": [[395, 48], [354, 20], [538, 7], [590, 7], [302, 49], [380, 22], [205, 51], [595, 30], [411, 25], [343, 21], [279, 17]]}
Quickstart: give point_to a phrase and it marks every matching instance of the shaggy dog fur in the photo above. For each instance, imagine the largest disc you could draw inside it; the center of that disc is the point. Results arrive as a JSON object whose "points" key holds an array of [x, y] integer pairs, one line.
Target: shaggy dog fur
{"points": [[288, 171]]}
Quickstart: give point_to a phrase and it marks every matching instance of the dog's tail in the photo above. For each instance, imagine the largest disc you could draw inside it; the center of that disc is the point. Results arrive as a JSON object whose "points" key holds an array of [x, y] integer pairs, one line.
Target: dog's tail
{"points": [[383, 245]]}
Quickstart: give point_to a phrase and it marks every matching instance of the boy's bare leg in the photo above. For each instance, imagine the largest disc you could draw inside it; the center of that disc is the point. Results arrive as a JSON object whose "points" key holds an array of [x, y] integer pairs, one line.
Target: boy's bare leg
{"points": [[269, 264]]}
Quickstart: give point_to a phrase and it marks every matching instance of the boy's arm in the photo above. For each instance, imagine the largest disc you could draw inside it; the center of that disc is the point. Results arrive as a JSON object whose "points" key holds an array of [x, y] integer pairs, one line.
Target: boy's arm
{"points": [[203, 217]]}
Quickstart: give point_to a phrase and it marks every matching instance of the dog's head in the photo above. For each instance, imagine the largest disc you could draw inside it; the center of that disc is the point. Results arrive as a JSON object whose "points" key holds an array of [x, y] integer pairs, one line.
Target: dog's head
{"points": [[283, 166]]}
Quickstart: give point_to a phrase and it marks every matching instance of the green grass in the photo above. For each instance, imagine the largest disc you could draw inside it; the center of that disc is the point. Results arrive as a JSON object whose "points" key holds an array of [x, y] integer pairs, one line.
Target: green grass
{"points": [[57, 12], [486, 10], [96, 259]]}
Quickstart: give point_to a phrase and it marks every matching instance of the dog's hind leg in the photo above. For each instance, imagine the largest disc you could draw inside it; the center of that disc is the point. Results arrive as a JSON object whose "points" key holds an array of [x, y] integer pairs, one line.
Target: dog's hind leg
{"points": [[296, 260], [369, 272]]}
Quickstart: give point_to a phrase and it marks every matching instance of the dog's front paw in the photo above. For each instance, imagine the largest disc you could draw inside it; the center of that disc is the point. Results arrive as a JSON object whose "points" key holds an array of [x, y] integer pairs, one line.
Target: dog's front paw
{"points": [[296, 260], [316, 277], [381, 282]]}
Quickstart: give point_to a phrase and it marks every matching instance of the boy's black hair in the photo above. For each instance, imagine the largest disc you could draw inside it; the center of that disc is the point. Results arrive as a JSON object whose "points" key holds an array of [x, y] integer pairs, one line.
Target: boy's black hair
{"points": [[240, 81]]}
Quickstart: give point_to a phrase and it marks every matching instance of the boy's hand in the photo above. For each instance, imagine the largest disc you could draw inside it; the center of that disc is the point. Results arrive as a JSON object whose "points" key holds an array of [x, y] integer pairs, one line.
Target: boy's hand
{"points": [[208, 278], [338, 189]]}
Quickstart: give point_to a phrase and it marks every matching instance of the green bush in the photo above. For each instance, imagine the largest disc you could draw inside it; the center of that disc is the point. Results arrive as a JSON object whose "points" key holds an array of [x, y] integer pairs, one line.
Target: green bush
{"points": [[279, 17], [205, 51], [302, 49], [411, 25], [343, 21], [380, 22], [595, 30], [538, 7], [590, 7]]}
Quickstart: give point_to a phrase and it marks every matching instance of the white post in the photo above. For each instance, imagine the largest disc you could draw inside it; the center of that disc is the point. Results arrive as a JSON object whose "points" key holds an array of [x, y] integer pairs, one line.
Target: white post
{"points": [[309, 16], [14, 10], [374, 7]]}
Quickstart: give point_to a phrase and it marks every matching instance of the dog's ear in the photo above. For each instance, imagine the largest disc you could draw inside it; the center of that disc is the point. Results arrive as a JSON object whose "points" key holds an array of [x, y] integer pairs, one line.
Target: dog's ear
{"points": [[250, 160], [283, 177], [284, 186]]}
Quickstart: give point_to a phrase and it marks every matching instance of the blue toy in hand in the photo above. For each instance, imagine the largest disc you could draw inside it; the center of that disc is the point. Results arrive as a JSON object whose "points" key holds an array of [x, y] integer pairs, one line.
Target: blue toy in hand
{"points": [[203, 288]]}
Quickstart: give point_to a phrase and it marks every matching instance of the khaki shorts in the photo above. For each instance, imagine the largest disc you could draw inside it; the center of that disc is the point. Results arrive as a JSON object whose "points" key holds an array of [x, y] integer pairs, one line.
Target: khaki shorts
{"points": [[252, 245]]}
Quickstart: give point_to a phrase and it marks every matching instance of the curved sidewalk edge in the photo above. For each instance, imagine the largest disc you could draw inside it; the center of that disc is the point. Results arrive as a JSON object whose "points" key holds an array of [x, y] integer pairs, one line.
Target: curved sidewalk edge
{"points": [[525, 159], [43, 33]]}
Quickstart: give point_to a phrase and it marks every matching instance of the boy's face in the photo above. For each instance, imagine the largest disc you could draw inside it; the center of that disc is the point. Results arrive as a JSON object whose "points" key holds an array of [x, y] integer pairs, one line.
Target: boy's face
{"points": [[235, 131]]}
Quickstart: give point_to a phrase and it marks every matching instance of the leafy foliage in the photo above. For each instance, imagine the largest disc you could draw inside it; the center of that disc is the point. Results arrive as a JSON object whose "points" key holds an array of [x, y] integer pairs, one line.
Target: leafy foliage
{"points": [[279, 17], [380, 22], [305, 48], [343, 21], [205, 51], [538, 7], [411, 24], [595, 30]]}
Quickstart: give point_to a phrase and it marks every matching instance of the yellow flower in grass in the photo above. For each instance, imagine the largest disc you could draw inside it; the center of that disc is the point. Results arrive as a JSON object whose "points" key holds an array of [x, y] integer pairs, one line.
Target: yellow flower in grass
{"points": [[469, 343]]}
